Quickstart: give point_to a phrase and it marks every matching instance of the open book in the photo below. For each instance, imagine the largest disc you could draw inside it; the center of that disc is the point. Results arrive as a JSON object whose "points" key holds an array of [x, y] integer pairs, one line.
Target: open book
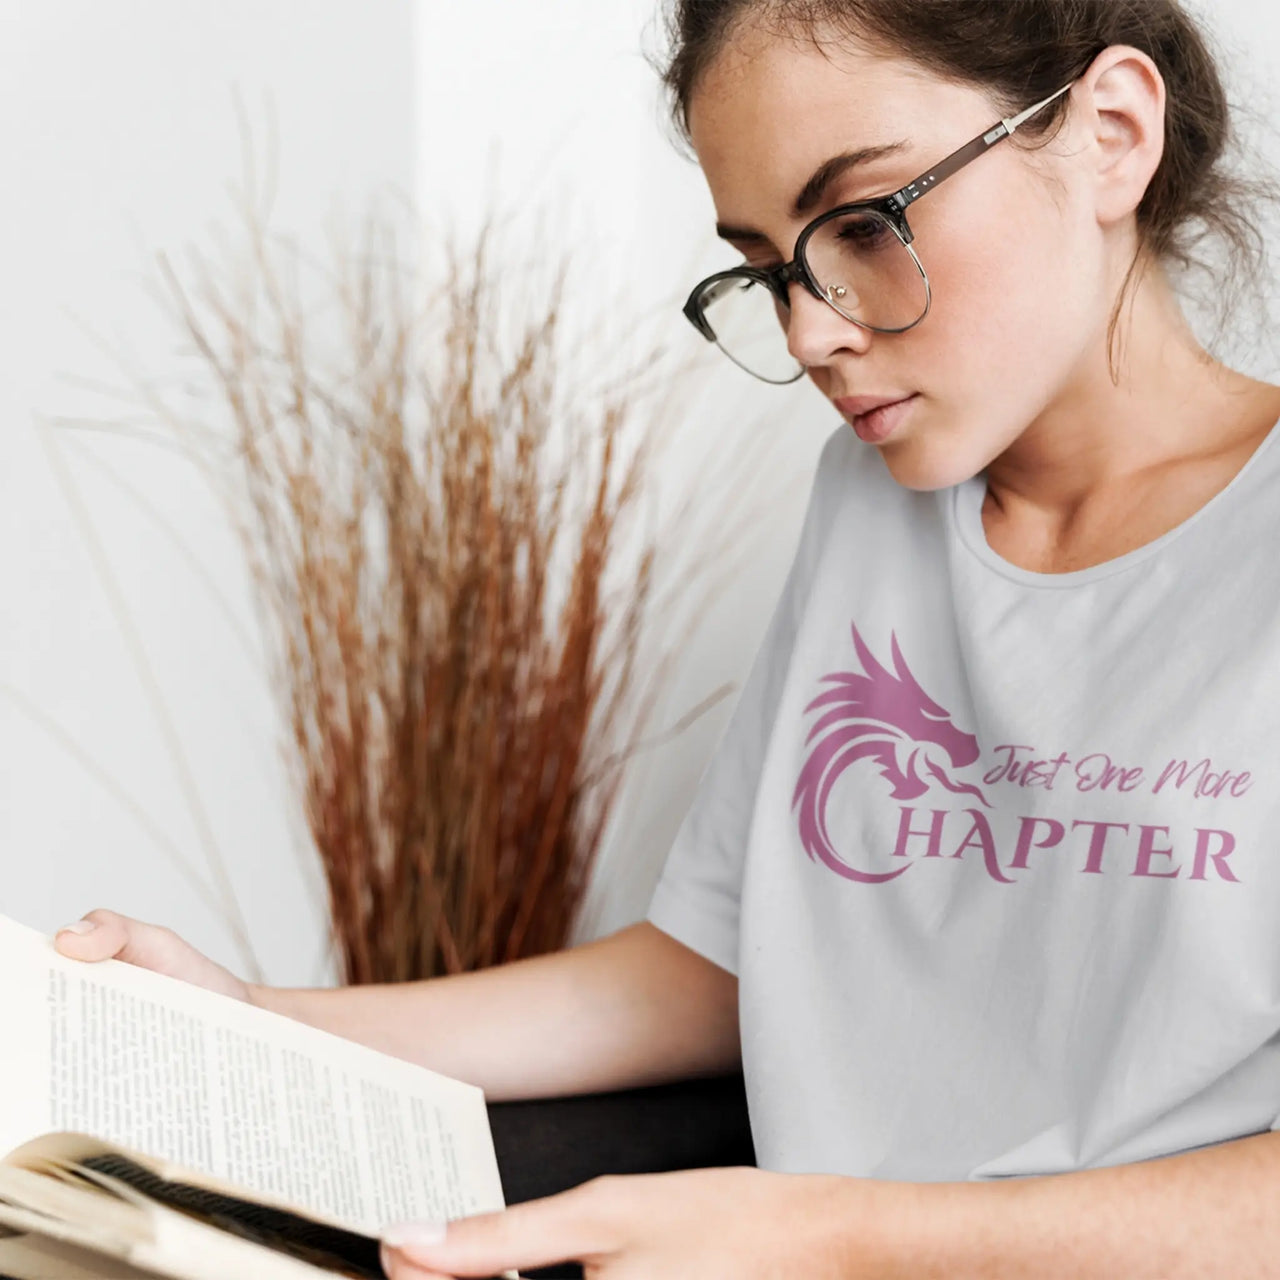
{"points": [[148, 1127]]}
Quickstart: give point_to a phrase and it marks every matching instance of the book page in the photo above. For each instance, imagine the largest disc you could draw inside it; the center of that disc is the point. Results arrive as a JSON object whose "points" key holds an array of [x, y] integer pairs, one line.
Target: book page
{"points": [[114, 1240], [51, 1205], [129, 1183], [27, 1257], [257, 1100]]}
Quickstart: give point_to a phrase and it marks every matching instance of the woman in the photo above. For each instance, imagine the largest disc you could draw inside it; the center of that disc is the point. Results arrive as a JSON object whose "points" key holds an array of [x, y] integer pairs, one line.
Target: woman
{"points": [[979, 886]]}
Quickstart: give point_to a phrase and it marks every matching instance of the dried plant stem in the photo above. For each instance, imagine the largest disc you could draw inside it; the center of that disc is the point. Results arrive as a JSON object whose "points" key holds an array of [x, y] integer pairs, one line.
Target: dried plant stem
{"points": [[441, 524]]}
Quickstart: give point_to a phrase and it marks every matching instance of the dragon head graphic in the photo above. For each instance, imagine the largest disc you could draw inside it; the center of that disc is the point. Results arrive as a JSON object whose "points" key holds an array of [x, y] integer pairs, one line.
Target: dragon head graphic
{"points": [[879, 715]]}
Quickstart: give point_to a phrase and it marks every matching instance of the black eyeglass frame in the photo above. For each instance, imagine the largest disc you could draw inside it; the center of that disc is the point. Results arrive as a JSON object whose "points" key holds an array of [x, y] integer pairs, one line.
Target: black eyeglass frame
{"points": [[891, 208]]}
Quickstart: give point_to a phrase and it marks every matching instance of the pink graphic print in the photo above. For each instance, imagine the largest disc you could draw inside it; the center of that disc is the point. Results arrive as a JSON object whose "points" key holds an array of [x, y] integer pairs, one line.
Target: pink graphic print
{"points": [[887, 717]]}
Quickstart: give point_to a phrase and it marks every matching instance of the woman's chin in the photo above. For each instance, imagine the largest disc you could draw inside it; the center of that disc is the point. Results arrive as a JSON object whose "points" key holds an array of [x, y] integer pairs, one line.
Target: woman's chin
{"points": [[934, 464]]}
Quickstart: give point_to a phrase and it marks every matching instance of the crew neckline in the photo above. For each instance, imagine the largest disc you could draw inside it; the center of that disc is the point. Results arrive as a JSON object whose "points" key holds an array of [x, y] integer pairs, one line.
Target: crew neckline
{"points": [[966, 511]]}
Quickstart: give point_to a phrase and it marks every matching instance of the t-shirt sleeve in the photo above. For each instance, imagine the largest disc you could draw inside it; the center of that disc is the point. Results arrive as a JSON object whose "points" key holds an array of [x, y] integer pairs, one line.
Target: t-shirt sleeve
{"points": [[697, 896]]}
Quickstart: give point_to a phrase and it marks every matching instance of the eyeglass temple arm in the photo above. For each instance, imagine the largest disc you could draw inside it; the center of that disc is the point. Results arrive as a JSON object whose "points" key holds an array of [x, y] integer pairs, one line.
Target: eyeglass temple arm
{"points": [[970, 151]]}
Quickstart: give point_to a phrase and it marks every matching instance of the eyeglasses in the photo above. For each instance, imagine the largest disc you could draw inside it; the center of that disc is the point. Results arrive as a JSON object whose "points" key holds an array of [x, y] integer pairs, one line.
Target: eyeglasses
{"points": [[857, 258]]}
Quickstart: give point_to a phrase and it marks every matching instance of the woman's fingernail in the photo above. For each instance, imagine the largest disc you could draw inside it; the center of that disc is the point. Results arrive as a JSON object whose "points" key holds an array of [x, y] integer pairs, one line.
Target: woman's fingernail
{"points": [[80, 926], [407, 1235]]}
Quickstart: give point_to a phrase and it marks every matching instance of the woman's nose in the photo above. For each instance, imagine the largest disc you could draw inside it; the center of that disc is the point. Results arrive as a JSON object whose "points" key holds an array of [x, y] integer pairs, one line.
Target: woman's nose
{"points": [[816, 330]]}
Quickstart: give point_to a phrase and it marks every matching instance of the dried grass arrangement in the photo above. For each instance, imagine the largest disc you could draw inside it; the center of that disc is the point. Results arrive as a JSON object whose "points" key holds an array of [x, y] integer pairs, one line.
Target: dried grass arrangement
{"points": [[444, 488]]}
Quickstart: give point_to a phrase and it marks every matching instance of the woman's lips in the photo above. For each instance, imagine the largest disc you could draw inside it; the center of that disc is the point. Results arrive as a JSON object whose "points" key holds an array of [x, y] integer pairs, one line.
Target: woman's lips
{"points": [[877, 425]]}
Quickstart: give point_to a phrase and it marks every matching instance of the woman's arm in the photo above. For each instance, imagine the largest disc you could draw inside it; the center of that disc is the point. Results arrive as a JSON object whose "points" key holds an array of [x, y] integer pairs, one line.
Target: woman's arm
{"points": [[634, 1008], [1208, 1214], [1205, 1215]]}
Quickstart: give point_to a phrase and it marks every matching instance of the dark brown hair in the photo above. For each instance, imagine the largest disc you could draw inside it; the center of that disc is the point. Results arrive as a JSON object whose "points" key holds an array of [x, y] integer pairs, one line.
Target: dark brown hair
{"points": [[1020, 51]]}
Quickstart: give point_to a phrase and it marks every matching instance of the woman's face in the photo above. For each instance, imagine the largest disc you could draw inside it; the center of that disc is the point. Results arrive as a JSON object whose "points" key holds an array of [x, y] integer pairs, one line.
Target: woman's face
{"points": [[1013, 251]]}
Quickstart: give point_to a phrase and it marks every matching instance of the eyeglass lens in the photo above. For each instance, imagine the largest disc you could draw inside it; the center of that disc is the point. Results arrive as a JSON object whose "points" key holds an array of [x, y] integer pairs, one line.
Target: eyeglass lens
{"points": [[863, 269]]}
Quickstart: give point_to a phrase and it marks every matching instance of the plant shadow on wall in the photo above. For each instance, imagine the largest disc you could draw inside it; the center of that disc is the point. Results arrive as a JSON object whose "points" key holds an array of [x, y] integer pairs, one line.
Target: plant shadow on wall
{"points": [[443, 471]]}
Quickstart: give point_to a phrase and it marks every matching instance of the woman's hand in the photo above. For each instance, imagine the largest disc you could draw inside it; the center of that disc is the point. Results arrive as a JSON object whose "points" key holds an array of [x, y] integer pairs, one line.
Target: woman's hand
{"points": [[105, 935], [699, 1224]]}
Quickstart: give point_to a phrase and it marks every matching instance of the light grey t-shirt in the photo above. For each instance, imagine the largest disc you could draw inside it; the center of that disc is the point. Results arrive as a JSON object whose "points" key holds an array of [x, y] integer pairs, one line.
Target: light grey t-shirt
{"points": [[995, 854]]}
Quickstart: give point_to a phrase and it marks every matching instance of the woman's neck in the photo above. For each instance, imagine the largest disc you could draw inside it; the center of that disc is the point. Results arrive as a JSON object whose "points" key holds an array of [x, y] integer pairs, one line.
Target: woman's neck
{"points": [[1109, 467]]}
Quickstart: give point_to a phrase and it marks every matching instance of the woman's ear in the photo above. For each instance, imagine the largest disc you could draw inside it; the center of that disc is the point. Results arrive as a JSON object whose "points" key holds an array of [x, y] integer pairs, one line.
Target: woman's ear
{"points": [[1121, 99]]}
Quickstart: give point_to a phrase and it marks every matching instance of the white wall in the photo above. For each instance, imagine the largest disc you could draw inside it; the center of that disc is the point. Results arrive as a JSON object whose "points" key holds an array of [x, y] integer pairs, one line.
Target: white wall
{"points": [[118, 133]]}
